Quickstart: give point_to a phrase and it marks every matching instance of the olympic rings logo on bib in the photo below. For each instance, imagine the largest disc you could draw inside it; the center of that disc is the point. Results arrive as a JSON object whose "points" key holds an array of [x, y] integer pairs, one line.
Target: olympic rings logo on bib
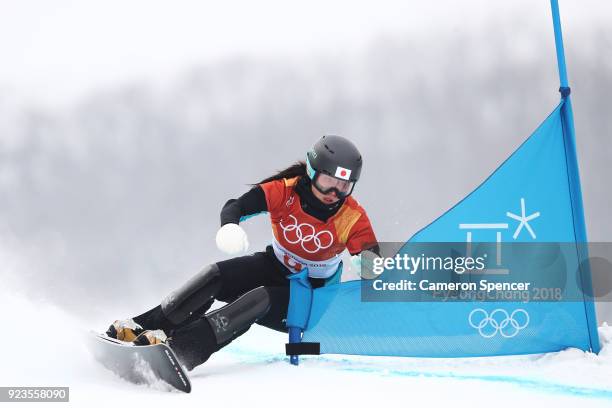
{"points": [[499, 321], [304, 234]]}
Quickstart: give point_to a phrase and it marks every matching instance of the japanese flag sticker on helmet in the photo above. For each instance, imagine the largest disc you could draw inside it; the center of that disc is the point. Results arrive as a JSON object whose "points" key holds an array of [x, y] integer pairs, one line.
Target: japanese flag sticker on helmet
{"points": [[342, 173]]}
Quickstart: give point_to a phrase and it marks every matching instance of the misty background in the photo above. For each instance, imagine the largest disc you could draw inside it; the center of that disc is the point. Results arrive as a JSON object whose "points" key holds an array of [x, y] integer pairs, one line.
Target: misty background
{"points": [[112, 175]]}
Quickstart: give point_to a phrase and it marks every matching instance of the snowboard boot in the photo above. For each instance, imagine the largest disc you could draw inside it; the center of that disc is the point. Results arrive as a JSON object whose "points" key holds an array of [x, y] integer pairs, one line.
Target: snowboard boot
{"points": [[151, 337], [124, 330]]}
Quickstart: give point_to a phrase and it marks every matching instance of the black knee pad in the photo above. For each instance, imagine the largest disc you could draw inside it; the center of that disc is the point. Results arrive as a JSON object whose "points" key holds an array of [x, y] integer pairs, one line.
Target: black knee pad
{"points": [[235, 318], [197, 292]]}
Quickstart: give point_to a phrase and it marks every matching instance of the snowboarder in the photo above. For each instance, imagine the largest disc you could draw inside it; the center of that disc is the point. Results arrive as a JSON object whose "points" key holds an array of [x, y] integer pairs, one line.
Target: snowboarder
{"points": [[314, 219]]}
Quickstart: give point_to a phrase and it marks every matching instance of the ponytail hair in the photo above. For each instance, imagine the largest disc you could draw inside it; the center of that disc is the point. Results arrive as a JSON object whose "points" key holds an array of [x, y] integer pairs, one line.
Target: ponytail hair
{"points": [[295, 170]]}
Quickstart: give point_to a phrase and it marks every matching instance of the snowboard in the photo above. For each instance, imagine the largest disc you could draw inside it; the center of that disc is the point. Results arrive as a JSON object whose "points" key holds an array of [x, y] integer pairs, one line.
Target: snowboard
{"points": [[139, 364]]}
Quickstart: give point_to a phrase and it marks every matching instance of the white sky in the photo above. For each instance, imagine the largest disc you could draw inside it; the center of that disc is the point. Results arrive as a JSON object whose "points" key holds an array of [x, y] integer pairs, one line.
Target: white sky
{"points": [[55, 50]]}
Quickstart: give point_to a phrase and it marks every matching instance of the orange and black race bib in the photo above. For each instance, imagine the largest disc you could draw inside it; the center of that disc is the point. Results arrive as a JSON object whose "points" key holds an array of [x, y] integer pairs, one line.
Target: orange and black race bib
{"points": [[301, 240]]}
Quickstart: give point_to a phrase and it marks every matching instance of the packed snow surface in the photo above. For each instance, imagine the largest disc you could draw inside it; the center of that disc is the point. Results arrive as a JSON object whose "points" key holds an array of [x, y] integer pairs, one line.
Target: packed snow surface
{"points": [[44, 346]]}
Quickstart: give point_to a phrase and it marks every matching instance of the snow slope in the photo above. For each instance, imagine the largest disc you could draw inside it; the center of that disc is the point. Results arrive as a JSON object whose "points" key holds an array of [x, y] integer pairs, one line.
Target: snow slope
{"points": [[43, 345]]}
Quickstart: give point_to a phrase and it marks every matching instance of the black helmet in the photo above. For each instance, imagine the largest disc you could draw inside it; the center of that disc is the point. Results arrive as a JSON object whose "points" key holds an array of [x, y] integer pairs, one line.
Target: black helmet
{"points": [[337, 158]]}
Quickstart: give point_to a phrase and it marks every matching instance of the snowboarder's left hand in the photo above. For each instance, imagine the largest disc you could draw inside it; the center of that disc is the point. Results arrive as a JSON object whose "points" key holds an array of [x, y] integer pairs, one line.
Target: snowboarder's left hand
{"points": [[232, 239]]}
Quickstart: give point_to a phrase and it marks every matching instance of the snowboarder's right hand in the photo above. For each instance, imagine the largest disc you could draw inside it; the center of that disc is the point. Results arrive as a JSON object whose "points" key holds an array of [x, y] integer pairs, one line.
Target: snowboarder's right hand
{"points": [[363, 264], [232, 239]]}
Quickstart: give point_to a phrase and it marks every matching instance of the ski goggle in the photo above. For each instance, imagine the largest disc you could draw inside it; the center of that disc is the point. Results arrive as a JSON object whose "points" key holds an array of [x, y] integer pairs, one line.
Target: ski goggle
{"points": [[325, 184]]}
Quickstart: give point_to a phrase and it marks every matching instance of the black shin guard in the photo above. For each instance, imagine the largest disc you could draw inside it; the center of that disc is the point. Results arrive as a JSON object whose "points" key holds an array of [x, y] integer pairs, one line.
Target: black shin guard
{"points": [[232, 318], [196, 295], [196, 341]]}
